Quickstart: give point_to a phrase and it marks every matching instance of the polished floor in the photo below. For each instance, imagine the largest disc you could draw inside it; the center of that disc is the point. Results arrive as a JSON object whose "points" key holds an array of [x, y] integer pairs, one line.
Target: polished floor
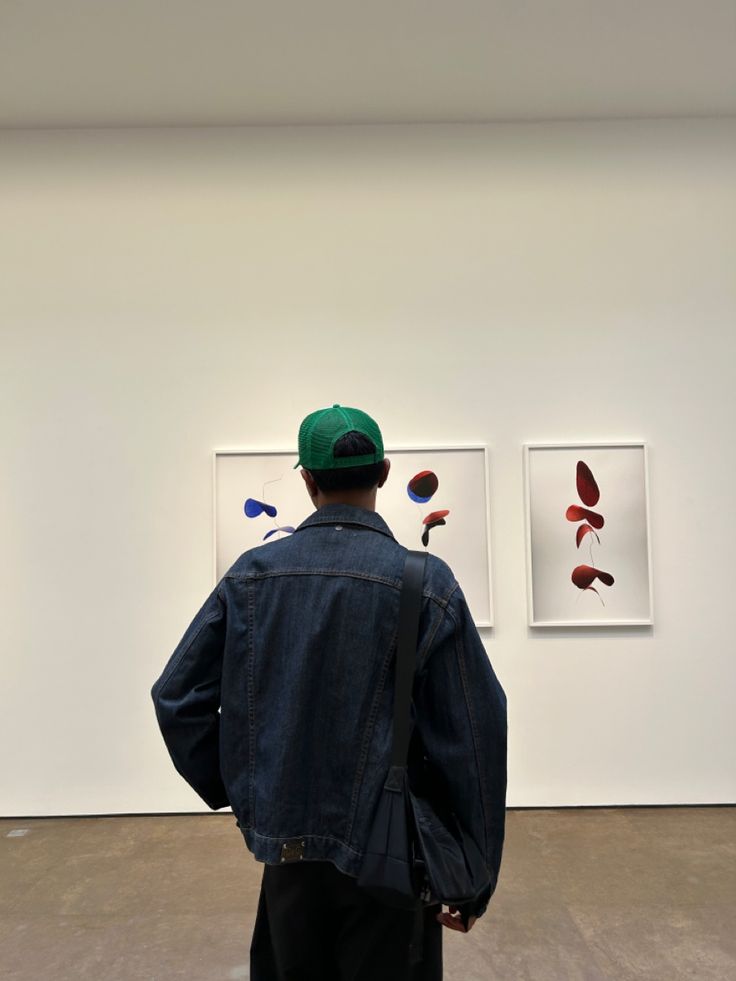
{"points": [[628, 894]]}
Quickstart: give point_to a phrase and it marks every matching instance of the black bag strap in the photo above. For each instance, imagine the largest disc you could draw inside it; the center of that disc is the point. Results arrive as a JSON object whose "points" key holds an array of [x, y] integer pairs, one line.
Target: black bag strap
{"points": [[410, 607]]}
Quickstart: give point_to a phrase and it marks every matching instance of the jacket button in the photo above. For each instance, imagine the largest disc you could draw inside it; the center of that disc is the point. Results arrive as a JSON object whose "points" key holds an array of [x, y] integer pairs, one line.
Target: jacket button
{"points": [[338, 527]]}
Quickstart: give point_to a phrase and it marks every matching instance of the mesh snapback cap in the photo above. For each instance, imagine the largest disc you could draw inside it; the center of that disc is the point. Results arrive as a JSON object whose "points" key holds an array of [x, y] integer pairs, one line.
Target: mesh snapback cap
{"points": [[320, 431]]}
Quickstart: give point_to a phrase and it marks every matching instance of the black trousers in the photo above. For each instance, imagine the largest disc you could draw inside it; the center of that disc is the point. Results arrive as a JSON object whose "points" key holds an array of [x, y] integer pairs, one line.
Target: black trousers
{"points": [[315, 924]]}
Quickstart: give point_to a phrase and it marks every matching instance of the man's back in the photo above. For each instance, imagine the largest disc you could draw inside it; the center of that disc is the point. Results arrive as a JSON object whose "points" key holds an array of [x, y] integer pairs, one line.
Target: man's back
{"points": [[324, 608]]}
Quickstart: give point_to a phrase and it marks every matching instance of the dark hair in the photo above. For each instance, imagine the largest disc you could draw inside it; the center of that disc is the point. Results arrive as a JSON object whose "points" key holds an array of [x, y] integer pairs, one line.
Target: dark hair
{"points": [[350, 478]]}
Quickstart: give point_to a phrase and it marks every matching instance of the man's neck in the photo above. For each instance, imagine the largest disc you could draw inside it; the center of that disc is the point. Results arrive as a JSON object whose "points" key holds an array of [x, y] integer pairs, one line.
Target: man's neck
{"points": [[358, 499]]}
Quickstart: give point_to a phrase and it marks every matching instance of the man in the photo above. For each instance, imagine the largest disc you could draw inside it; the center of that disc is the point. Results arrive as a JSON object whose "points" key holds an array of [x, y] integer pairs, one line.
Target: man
{"points": [[279, 701]]}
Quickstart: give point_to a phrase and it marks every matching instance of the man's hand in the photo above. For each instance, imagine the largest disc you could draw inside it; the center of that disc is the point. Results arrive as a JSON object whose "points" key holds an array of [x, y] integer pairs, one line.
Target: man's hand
{"points": [[455, 922]]}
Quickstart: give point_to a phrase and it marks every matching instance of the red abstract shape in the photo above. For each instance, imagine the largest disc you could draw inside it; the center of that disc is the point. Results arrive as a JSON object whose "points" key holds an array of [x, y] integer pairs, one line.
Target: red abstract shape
{"points": [[582, 531], [435, 516], [587, 487], [584, 575], [575, 513]]}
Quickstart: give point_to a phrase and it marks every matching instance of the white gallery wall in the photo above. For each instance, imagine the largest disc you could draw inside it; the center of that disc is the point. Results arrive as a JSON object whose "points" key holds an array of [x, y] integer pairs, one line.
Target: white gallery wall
{"points": [[166, 292]]}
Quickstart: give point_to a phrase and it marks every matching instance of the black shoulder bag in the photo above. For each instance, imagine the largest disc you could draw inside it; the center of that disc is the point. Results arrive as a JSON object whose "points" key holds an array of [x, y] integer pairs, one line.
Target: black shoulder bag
{"points": [[417, 852]]}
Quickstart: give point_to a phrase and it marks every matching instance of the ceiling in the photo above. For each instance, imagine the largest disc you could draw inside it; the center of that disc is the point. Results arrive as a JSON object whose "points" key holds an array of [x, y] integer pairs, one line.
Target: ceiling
{"points": [[222, 62]]}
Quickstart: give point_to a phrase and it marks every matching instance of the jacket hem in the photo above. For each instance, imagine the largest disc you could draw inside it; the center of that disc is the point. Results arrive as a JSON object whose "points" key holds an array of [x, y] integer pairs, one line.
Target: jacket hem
{"points": [[317, 848]]}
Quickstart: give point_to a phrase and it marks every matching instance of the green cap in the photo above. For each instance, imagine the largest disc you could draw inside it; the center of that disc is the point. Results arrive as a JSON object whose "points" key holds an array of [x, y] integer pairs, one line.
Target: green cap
{"points": [[320, 431]]}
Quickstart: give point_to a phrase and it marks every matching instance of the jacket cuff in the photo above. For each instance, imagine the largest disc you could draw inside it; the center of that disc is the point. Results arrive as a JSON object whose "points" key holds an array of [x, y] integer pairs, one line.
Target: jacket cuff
{"points": [[476, 907]]}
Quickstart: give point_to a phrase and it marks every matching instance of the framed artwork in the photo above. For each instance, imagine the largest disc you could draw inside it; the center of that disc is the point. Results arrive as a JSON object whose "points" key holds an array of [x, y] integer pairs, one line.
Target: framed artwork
{"points": [[435, 497], [587, 534]]}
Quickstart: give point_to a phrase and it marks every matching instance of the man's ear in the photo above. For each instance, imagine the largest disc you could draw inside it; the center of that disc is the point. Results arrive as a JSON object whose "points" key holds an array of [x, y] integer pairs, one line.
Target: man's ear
{"points": [[309, 480], [384, 475]]}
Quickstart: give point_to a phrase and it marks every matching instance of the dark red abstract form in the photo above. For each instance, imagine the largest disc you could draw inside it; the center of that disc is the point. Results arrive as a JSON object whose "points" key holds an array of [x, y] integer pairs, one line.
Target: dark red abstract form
{"points": [[433, 519], [587, 487], [422, 486], [584, 530], [575, 513], [583, 576]]}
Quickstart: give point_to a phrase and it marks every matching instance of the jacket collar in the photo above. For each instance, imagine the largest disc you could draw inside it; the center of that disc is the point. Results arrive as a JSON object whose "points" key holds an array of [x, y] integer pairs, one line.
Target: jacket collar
{"points": [[349, 514]]}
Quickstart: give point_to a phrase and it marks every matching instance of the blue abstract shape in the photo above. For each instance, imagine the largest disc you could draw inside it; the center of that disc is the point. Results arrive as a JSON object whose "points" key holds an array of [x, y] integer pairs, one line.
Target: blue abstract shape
{"points": [[253, 508], [287, 528], [416, 497]]}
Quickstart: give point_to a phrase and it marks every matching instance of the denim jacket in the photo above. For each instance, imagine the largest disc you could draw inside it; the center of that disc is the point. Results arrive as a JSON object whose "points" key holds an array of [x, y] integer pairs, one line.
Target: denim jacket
{"points": [[278, 700]]}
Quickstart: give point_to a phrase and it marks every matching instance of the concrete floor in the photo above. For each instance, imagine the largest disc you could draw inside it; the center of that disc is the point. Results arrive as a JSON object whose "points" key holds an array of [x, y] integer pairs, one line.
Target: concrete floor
{"points": [[585, 895]]}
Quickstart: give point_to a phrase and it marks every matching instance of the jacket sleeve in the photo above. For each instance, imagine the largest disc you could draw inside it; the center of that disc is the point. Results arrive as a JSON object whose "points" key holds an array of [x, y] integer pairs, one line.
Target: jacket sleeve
{"points": [[187, 702], [460, 712]]}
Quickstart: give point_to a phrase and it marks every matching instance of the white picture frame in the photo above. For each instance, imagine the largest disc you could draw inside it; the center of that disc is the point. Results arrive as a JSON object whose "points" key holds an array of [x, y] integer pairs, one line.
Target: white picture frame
{"points": [[551, 540], [467, 547]]}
